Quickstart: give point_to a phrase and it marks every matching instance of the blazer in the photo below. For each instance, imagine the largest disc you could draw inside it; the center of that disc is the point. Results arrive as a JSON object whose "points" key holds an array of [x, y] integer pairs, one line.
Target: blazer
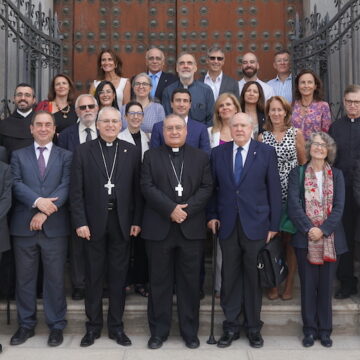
{"points": [[69, 138], [165, 80], [28, 186], [332, 224], [228, 84], [126, 136], [197, 135], [257, 198], [157, 184], [89, 198], [5, 204]]}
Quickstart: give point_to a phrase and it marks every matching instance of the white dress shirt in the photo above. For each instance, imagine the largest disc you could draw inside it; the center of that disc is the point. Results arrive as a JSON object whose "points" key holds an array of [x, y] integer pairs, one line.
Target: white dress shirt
{"points": [[83, 133], [244, 152], [46, 152], [215, 85], [267, 89]]}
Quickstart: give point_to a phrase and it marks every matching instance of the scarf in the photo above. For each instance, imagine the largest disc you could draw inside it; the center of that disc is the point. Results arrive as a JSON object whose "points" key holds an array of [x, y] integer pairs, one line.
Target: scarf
{"points": [[318, 211]]}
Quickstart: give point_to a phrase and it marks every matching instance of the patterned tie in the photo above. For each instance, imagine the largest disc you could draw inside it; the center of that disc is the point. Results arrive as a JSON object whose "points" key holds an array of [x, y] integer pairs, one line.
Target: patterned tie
{"points": [[153, 83], [88, 135], [41, 161], [238, 165]]}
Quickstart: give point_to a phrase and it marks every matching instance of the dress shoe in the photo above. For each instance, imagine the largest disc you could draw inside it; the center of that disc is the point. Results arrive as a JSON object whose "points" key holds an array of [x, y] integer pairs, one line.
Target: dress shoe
{"points": [[192, 343], [308, 340], [78, 294], [326, 341], [89, 338], [155, 342], [227, 338], [21, 335], [255, 339], [55, 337], [0, 348], [120, 337], [344, 293]]}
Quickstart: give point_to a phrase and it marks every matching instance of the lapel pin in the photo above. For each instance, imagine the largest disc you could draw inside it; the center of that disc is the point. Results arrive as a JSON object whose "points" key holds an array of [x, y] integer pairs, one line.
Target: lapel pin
{"points": [[125, 150]]}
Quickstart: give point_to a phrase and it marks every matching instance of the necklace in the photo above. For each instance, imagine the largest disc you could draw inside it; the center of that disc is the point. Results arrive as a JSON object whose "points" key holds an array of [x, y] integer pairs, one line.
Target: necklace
{"points": [[65, 110], [109, 185], [179, 188]]}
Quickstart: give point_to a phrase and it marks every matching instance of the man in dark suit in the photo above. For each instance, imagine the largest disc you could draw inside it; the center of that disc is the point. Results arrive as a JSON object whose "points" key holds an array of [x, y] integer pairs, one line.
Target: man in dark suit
{"points": [[176, 183], [39, 225], [106, 208], [246, 207], [197, 134], [70, 138], [215, 78]]}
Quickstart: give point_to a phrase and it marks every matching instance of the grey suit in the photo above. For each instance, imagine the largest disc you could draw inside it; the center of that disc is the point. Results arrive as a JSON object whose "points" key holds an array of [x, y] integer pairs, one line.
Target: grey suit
{"points": [[50, 242], [228, 84], [5, 203]]}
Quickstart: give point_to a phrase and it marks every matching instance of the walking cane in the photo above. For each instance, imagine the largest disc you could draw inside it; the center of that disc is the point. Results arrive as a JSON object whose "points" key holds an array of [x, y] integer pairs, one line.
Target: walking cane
{"points": [[211, 340]]}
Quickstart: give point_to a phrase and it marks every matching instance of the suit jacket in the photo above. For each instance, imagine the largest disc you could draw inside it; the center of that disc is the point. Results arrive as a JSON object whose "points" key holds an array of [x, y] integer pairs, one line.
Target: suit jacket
{"points": [[28, 186], [257, 198], [89, 198], [126, 136], [5, 203], [332, 224], [157, 184], [197, 135], [228, 84], [69, 138]]}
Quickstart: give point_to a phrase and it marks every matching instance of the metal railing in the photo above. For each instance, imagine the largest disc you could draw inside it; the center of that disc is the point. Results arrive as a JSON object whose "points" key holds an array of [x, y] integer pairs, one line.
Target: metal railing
{"points": [[330, 47], [32, 49]]}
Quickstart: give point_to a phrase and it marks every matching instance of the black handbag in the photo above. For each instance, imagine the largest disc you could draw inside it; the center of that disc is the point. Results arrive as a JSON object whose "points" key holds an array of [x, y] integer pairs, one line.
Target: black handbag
{"points": [[271, 264]]}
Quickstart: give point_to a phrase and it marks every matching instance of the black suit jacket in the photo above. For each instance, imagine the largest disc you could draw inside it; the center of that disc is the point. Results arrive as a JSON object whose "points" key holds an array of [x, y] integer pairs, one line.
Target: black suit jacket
{"points": [[69, 138], [228, 84], [157, 184], [89, 198]]}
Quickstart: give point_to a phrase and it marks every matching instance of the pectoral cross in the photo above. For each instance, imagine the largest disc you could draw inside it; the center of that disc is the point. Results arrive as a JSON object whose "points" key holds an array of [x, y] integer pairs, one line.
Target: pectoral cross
{"points": [[179, 189], [109, 186]]}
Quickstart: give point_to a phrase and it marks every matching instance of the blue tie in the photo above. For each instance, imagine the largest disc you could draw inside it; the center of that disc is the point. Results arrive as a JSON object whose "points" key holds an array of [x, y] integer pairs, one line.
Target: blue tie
{"points": [[154, 84], [238, 165]]}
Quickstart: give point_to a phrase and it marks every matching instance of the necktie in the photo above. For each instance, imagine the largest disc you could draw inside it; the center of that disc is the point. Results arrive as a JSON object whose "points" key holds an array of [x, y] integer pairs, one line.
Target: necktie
{"points": [[153, 83], [238, 165], [41, 161], [88, 135]]}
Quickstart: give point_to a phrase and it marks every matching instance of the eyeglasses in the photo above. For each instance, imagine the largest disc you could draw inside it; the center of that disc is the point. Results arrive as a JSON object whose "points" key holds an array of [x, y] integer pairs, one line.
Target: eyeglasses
{"points": [[83, 107], [152, 58], [27, 95], [323, 145], [106, 92], [352, 102], [108, 121], [172, 128], [218, 58], [135, 113], [144, 84]]}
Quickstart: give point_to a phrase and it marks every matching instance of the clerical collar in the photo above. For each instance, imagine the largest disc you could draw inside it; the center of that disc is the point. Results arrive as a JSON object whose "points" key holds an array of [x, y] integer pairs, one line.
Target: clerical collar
{"points": [[24, 114], [105, 143]]}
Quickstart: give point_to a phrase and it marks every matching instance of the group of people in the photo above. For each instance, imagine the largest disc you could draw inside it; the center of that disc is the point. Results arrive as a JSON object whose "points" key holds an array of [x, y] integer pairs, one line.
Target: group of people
{"points": [[154, 161]]}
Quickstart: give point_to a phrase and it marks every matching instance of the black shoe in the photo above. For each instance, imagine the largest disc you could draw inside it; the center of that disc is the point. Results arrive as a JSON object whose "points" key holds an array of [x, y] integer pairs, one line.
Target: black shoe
{"points": [[155, 342], [0, 348], [78, 294], [21, 335], [227, 338], [255, 339], [344, 293], [192, 343], [308, 340], [120, 337], [326, 341], [55, 337], [89, 338]]}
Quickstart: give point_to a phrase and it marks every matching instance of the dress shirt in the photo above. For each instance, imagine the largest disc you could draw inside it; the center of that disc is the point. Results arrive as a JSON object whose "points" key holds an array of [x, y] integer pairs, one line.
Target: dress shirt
{"points": [[244, 152], [215, 85], [46, 153], [154, 81], [283, 89], [82, 132], [268, 90]]}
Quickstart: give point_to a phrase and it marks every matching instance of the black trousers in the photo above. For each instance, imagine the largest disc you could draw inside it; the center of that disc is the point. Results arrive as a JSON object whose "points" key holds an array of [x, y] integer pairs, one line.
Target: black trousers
{"points": [[316, 294], [175, 258], [240, 282], [77, 261], [108, 255], [345, 271]]}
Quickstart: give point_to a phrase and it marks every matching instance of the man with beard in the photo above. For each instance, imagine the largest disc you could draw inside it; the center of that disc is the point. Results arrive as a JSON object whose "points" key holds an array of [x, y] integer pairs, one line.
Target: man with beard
{"points": [[250, 67], [202, 97], [15, 129], [85, 130]]}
